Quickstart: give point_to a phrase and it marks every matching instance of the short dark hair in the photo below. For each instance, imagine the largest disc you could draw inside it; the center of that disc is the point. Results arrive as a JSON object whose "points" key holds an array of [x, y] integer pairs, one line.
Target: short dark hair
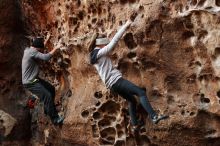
{"points": [[38, 42]]}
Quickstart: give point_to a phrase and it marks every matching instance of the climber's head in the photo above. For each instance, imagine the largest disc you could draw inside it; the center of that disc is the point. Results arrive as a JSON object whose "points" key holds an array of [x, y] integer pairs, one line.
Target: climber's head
{"points": [[38, 43], [101, 41], [97, 40]]}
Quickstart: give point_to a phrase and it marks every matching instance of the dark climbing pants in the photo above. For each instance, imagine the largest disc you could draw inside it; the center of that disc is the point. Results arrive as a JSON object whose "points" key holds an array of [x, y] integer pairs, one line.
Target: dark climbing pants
{"points": [[127, 90], [46, 92]]}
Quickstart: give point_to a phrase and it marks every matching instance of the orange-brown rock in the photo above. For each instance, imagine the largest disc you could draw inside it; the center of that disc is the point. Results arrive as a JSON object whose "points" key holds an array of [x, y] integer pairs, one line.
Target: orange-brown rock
{"points": [[172, 49]]}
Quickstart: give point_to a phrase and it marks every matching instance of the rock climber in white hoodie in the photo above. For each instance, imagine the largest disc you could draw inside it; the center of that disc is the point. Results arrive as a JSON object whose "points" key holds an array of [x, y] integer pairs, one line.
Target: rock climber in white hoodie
{"points": [[113, 79]]}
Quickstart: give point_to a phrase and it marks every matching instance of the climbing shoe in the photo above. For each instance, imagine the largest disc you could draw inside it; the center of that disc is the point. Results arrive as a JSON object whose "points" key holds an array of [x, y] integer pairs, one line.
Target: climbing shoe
{"points": [[157, 118], [58, 120], [135, 129]]}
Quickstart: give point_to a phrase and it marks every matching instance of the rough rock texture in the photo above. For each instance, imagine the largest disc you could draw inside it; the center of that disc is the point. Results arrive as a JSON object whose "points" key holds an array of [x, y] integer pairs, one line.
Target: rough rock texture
{"points": [[12, 42], [7, 123], [172, 50]]}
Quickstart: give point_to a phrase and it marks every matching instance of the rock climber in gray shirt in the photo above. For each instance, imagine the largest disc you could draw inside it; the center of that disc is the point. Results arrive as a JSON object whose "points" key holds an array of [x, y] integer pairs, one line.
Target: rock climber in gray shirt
{"points": [[112, 77], [30, 70]]}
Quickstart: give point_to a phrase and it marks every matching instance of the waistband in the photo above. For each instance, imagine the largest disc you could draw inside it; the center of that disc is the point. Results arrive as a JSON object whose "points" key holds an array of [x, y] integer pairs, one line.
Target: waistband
{"points": [[32, 82], [119, 80]]}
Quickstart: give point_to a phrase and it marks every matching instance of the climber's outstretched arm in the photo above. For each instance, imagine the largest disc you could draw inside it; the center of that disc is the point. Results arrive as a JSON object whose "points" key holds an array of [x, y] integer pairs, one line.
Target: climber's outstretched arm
{"points": [[108, 48], [46, 57]]}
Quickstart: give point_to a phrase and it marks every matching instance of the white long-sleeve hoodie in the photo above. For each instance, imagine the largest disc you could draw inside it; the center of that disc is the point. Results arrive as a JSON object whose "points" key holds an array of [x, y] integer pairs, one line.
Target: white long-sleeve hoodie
{"points": [[103, 64]]}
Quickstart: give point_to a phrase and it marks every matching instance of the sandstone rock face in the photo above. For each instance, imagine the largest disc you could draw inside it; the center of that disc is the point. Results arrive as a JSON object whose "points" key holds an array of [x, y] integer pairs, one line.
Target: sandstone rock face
{"points": [[172, 49], [12, 43], [7, 123]]}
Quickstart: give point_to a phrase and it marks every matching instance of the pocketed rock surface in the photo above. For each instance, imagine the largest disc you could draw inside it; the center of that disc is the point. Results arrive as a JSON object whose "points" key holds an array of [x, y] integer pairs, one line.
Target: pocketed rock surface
{"points": [[172, 50]]}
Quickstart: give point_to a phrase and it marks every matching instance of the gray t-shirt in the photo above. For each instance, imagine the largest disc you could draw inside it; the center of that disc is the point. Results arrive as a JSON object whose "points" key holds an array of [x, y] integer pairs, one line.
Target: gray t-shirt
{"points": [[30, 67], [103, 64]]}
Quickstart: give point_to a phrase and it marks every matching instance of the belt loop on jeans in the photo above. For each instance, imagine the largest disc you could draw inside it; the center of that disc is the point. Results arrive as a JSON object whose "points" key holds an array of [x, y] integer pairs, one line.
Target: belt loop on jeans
{"points": [[34, 81]]}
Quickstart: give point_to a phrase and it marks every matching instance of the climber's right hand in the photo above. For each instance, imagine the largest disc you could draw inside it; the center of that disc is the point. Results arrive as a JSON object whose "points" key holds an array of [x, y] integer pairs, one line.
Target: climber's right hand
{"points": [[55, 49], [58, 47]]}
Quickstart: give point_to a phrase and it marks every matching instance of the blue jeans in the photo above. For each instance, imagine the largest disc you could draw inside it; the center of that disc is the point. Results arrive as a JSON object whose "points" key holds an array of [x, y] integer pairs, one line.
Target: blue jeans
{"points": [[127, 90]]}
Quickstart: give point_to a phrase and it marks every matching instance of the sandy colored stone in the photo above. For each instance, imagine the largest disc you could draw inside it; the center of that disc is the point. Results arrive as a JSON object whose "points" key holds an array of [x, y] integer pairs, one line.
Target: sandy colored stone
{"points": [[7, 122], [172, 49]]}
